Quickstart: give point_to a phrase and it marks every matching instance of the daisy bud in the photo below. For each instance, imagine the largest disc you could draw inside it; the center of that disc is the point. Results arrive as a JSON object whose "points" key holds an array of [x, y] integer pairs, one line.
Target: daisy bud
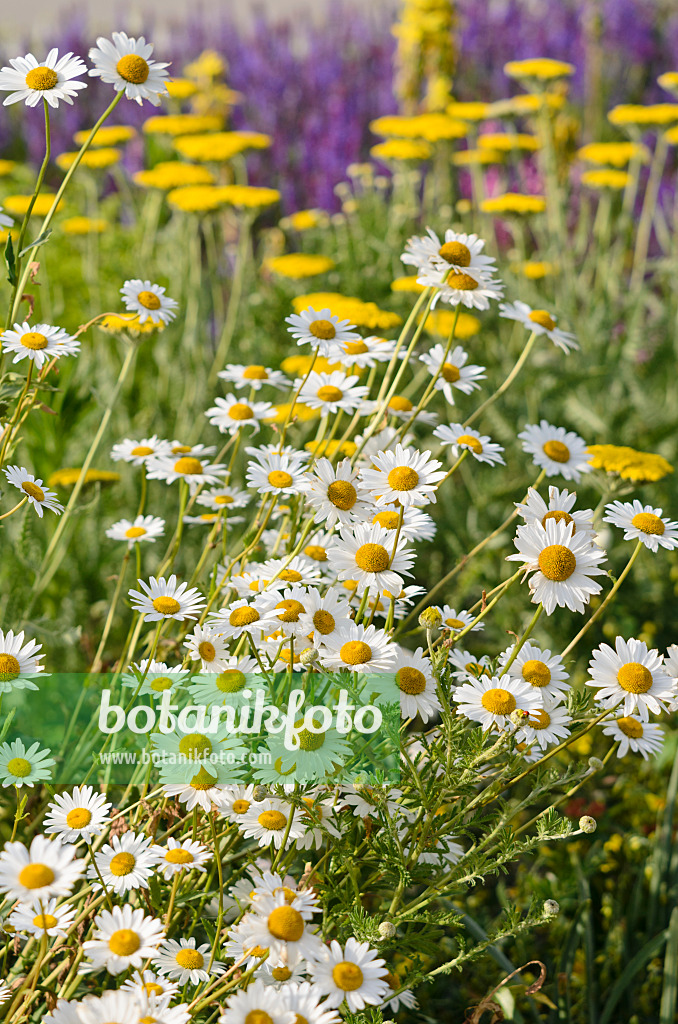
{"points": [[595, 764], [430, 618], [308, 656], [588, 824], [387, 930], [551, 908], [260, 793]]}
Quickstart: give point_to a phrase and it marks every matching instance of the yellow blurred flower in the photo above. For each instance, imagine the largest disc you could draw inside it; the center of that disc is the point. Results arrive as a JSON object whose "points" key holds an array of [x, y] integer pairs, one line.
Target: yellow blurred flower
{"points": [[477, 111], [431, 127], [543, 68], [6, 167], [181, 88], [83, 225], [329, 448], [182, 124], [628, 463], [173, 174], [513, 202], [297, 265], [18, 205], [209, 64], [407, 283], [534, 270], [197, 198], [251, 196], [401, 149], [441, 322], [299, 365], [524, 105], [606, 177], [126, 324], [361, 314], [95, 159], [219, 147], [616, 154], [669, 81], [68, 477], [507, 141], [635, 114], [671, 135], [301, 412], [108, 135], [466, 157], [304, 220]]}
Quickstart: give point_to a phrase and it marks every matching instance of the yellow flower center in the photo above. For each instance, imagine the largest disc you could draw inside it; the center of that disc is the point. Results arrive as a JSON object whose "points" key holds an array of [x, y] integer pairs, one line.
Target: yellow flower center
{"points": [[257, 951], [161, 683], [258, 1017], [190, 959], [36, 876], [400, 404], [342, 494], [372, 558], [141, 449], [41, 78], [240, 411], [403, 478], [316, 552], [328, 393], [223, 499], [149, 300], [195, 745], [540, 719], [230, 681], [355, 348], [122, 864], [34, 340], [279, 478], [9, 668], [648, 523], [290, 610], [32, 490], [166, 605], [634, 677], [124, 942], [274, 821], [631, 727], [19, 767], [498, 701], [462, 282], [133, 68], [541, 317], [536, 673], [560, 517], [45, 921], [557, 562], [188, 466], [203, 780], [454, 623], [450, 373], [389, 520], [243, 616], [282, 974], [323, 622], [152, 989], [355, 652], [206, 650], [456, 253], [411, 680], [557, 451], [241, 806], [79, 817], [347, 976], [255, 372], [180, 449], [322, 329], [179, 856], [135, 531], [471, 442], [290, 576], [286, 923]]}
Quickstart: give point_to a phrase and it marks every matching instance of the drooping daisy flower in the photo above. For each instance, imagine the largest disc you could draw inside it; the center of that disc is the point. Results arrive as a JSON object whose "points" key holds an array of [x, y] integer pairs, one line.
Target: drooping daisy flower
{"points": [[53, 80], [358, 648], [157, 677], [560, 452], [141, 529], [272, 473], [258, 1003], [43, 917], [332, 391], [547, 725], [538, 321], [125, 863], [138, 452], [253, 376], [125, 64], [454, 373], [336, 495], [558, 507], [38, 342], [81, 814], [320, 329], [542, 670], [456, 620], [186, 961], [22, 766], [355, 974], [402, 998], [366, 352], [283, 927], [562, 563], [630, 733], [631, 674], [163, 599], [404, 475], [122, 938], [19, 662], [46, 869], [182, 856], [462, 438], [642, 522], [268, 821], [195, 471], [229, 414], [460, 252], [492, 700], [368, 554], [39, 496]]}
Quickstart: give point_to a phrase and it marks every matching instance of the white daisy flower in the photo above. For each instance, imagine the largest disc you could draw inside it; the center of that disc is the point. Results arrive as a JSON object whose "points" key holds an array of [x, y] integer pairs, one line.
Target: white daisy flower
{"points": [[549, 724], [163, 599], [632, 674], [321, 822], [208, 647], [369, 799], [138, 452], [257, 1003], [671, 661], [539, 668], [416, 525], [186, 961], [282, 978], [358, 648], [320, 751], [253, 376], [324, 615], [456, 287], [22, 766], [467, 666], [288, 609], [316, 549], [47, 869], [19, 662], [224, 498], [122, 938], [53, 80], [148, 984], [267, 822], [492, 700], [406, 997], [248, 583], [236, 802], [80, 814], [368, 555], [462, 438], [148, 301], [138, 530], [415, 685], [195, 451], [110, 1008], [454, 373], [384, 440], [244, 616], [126, 863], [562, 563], [560, 452], [296, 570], [320, 329], [283, 927], [643, 522], [272, 473], [226, 686], [558, 507], [39, 496], [461, 251], [354, 974], [157, 677], [204, 790], [43, 917], [181, 856], [405, 475], [332, 391], [229, 414], [157, 1010], [456, 620], [335, 494], [39, 342], [125, 64], [538, 321], [66, 1012], [630, 733], [366, 352], [195, 471]]}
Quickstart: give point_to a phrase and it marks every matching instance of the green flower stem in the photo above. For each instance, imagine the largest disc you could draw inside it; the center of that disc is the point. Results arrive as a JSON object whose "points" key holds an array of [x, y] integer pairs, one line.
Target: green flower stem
{"points": [[97, 662], [518, 646], [434, 379], [648, 212], [507, 383], [233, 308]]}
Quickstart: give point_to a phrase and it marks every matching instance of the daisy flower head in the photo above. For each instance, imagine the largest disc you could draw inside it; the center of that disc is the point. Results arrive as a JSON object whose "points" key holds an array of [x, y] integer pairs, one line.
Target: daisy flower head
{"points": [[462, 438], [44, 870], [125, 864], [243, 616], [453, 371], [491, 700], [229, 414], [631, 674], [53, 80], [547, 725], [258, 1002], [558, 451], [415, 525], [646, 738], [148, 984], [24, 766], [181, 856], [542, 670], [122, 938], [358, 648], [81, 814], [324, 615], [562, 564], [38, 342], [39, 496], [644, 523], [282, 926], [125, 63], [320, 751], [403, 475], [194, 470], [138, 452], [113, 1007], [207, 646], [164, 599], [236, 802], [332, 391], [458, 252], [268, 821], [559, 508], [539, 322], [303, 1000], [273, 473], [224, 498], [456, 620], [253, 376], [365, 352], [467, 666], [157, 676], [227, 686], [204, 790], [43, 917], [355, 974], [456, 287], [401, 408], [337, 494], [138, 530], [19, 662], [321, 329], [368, 555], [415, 685], [148, 301], [186, 961]]}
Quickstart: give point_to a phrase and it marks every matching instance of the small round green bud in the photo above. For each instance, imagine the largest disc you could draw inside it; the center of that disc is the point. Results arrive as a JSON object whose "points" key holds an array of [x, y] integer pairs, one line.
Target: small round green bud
{"points": [[551, 908], [430, 618], [387, 930], [588, 824], [595, 764], [308, 656], [260, 793]]}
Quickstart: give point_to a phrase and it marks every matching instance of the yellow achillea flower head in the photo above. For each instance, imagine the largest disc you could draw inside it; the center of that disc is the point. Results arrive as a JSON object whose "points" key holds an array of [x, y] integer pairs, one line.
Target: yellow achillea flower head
{"points": [[543, 68], [534, 270], [474, 111], [606, 177], [629, 464], [431, 127], [171, 174], [250, 196], [18, 205], [465, 157], [95, 159], [297, 265], [636, 114], [304, 220], [360, 314], [513, 202], [181, 88], [614, 154], [507, 141], [401, 149], [209, 64], [108, 135], [441, 321], [523, 106], [669, 81], [68, 477], [219, 147], [182, 124], [83, 225], [301, 412], [113, 324], [407, 283], [329, 447], [6, 167], [197, 198]]}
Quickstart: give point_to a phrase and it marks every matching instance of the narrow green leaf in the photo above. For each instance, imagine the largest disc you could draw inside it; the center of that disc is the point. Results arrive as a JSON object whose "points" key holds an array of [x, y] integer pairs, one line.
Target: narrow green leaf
{"points": [[40, 240], [10, 261], [635, 964], [667, 1008]]}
